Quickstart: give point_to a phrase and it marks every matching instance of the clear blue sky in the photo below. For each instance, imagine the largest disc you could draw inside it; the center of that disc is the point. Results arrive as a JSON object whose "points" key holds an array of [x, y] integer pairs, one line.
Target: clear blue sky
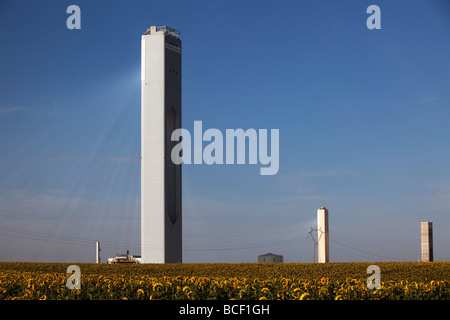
{"points": [[363, 118]]}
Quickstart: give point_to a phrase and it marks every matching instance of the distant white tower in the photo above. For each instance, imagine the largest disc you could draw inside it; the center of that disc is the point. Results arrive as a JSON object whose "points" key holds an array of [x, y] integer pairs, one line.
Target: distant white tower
{"points": [[322, 236], [426, 235], [161, 240]]}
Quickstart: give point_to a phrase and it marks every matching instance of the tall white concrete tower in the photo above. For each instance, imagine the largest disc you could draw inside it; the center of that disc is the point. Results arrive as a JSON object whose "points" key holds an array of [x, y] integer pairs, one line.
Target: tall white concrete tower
{"points": [[426, 235], [322, 236], [161, 238]]}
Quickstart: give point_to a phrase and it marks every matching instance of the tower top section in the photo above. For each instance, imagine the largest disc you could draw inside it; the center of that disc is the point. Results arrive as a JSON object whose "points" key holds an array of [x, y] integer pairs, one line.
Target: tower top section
{"points": [[163, 30]]}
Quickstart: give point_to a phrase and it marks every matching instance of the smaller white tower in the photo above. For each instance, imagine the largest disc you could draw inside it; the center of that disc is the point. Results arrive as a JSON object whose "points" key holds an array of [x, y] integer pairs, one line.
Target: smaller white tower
{"points": [[97, 252], [426, 235], [323, 251]]}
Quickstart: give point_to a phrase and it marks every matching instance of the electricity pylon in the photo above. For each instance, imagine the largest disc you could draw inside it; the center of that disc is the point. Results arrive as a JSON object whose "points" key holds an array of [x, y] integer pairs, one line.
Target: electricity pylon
{"points": [[315, 243]]}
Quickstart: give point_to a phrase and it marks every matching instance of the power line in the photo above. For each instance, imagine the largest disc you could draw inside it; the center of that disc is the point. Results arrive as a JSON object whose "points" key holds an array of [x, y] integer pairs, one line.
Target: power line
{"points": [[46, 237], [64, 239], [40, 236], [357, 249], [362, 251], [249, 246], [24, 216]]}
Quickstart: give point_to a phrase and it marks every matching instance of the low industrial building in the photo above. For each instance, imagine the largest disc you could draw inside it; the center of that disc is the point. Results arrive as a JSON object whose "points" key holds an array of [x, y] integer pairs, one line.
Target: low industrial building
{"points": [[270, 257], [124, 258]]}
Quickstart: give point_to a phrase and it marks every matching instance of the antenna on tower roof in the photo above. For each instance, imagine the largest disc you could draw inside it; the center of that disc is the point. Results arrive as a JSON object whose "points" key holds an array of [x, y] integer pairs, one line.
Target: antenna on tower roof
{"points": [[163, 30]]}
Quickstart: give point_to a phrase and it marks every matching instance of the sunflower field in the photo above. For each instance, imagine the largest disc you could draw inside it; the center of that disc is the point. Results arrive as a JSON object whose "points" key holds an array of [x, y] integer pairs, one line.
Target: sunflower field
{"points": [[241, 281]]}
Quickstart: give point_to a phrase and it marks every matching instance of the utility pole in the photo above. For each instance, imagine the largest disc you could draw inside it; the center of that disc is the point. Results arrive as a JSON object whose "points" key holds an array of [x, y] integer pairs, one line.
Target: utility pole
{"points": [[97, 255]]}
